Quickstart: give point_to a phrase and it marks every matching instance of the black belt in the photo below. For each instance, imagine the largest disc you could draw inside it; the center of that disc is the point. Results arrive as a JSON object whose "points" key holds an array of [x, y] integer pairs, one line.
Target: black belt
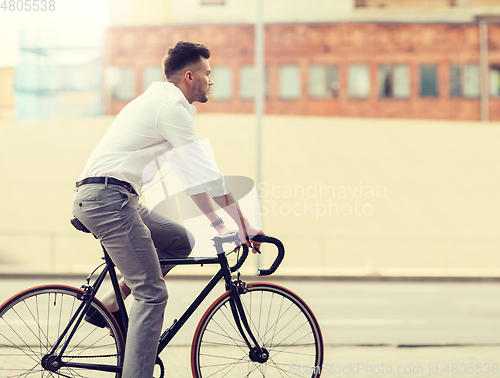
{"points": [[106, 180]]}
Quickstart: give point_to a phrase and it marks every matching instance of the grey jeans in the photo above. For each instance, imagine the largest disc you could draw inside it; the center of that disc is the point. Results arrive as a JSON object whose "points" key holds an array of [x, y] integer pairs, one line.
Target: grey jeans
{"points": [[134, 238]]}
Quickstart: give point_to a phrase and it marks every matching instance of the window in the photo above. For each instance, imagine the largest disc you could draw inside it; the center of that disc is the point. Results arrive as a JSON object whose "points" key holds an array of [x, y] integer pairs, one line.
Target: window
{"points": [[495, 81], [290, 86], [394, 81], [358, 80], [150, 75], [464, 80], [428, 80], [247, 86], [223, 83], [323, 81], [120, 82]]}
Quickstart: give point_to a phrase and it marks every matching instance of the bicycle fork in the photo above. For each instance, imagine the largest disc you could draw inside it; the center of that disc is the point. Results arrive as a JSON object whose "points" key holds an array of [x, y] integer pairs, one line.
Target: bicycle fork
{"points": [[257, 353]]}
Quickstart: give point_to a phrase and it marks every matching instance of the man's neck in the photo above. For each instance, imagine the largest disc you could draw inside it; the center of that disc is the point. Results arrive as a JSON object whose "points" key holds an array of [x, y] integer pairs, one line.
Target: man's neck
{"points": [[182, 89]]}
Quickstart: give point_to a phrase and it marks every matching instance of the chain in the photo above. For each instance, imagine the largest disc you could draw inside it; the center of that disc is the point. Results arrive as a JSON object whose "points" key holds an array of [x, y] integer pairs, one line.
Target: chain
{"points": [[97, 356], [102, 355]]}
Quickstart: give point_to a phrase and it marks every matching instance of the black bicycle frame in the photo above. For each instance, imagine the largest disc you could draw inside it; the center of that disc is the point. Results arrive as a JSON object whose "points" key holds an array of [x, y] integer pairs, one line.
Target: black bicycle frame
{"points": [[224, 272], [166, 337]]}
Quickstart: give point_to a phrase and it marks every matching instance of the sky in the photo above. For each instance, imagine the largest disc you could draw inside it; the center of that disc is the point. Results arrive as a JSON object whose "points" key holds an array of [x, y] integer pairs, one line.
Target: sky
{"points": [[72, 22]]}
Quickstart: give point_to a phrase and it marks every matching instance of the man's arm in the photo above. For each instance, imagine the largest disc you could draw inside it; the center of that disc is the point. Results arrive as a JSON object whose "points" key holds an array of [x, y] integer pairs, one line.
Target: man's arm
{"points": [[231, 207]]}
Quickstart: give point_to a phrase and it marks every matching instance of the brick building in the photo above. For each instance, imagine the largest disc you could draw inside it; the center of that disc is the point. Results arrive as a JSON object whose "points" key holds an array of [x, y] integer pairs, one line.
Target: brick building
{"points": [[370, 58]]}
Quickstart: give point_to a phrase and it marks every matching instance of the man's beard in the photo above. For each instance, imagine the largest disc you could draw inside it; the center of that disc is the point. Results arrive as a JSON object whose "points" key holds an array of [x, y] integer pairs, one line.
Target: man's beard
{"points": [[199, 94]]}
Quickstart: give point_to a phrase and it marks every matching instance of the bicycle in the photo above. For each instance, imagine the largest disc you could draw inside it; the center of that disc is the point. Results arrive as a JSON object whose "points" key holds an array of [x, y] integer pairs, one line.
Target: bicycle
{"points": [[256, 329]]}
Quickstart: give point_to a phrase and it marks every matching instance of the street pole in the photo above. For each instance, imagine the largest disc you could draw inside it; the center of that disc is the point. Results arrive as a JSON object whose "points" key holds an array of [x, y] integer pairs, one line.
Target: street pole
{"points": [[259, 95], [483, 58]]}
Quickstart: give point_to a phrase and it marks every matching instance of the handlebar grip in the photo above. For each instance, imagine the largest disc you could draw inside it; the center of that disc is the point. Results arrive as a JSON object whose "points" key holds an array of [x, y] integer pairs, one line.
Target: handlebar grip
{"points": [[279, 258]]}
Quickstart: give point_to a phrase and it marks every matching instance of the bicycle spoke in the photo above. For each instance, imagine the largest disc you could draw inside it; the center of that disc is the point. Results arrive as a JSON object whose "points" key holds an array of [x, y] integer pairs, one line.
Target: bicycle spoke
{"points": [[25, 373], [291, 333], [280, 324], [234, 328], [30, 355], [232, 365], [280, 370], [218, 356], [221, 344], [34, 322], [288, 346]]}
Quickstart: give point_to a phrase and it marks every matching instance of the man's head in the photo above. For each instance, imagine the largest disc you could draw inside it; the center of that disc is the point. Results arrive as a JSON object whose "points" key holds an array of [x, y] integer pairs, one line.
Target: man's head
{"points": [[186, 65]]}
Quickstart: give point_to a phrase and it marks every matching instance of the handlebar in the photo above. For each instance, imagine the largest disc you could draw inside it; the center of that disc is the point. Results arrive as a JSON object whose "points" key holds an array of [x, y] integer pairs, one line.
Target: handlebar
{"points": [[231, 238], [281, 253]]}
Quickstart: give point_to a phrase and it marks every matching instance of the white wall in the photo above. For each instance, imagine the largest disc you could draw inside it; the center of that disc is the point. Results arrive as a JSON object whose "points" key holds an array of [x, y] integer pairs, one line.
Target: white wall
{"points": [[437, 211]]}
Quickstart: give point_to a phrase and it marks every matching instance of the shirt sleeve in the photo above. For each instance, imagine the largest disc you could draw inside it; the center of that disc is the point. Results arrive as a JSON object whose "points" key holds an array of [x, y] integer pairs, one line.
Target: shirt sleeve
{"points": [[193, 167]]}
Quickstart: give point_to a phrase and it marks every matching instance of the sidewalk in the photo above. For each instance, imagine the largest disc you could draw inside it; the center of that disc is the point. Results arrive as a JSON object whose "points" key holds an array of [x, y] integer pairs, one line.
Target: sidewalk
{"points": [[358, 361]]}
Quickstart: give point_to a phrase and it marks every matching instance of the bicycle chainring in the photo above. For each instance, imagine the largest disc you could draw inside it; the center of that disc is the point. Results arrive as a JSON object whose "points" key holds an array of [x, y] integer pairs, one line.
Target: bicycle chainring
{"points": [[159, 362]]}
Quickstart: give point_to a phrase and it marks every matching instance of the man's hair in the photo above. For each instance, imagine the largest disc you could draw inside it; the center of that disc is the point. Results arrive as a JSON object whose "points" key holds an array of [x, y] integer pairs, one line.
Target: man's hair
{"points": [[181, 55]]}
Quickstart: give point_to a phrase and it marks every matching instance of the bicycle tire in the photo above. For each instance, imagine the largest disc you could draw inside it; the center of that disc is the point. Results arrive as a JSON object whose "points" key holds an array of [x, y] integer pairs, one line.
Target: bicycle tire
{"points": [[280, 320], [32, 321]]}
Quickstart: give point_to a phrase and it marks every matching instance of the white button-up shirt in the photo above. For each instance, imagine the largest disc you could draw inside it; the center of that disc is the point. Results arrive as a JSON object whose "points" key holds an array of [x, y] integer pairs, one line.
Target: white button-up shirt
{"points": [[158, 122]]}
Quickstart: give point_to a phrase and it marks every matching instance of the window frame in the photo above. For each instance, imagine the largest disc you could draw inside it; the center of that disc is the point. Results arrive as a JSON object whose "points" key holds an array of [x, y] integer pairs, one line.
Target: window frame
{"points": [[298, 89], [464, 91], [421, 83], [333, 69], [391, 70], [350, 88]]}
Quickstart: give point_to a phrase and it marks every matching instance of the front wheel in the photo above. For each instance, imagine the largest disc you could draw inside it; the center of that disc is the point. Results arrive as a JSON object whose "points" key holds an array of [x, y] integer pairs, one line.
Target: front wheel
{"points": [[280, 321], [31, 324]]}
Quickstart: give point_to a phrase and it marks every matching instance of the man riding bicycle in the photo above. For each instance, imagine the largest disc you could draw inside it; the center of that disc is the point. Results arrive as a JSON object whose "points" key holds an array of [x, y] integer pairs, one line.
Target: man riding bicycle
{"points": [[106, 198]]}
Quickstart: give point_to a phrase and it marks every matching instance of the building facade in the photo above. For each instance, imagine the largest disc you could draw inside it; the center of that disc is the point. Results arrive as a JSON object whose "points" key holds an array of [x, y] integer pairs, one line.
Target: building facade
{"points": [[437, 59]]}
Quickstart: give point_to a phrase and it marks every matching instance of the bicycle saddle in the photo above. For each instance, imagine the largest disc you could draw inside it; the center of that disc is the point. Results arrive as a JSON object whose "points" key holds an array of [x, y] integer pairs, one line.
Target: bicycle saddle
{"points": [[79, 225]]}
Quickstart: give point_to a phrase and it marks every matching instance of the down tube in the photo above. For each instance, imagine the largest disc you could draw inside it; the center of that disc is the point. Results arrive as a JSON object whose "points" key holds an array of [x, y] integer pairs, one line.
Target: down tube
{"points": [[171, 332]]}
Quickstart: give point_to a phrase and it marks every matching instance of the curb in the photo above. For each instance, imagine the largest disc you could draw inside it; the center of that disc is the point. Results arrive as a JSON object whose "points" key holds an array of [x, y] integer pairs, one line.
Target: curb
{"points": [[204, 277]]}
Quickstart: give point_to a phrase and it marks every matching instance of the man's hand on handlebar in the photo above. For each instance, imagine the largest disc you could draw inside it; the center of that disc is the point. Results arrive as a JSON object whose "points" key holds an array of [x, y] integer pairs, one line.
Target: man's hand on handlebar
{"points": [[243, 233], [246, 233]]}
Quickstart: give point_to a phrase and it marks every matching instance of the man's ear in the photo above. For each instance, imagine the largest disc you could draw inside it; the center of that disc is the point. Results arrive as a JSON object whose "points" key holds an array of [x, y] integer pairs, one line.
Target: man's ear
{"points": [[188, 76]]}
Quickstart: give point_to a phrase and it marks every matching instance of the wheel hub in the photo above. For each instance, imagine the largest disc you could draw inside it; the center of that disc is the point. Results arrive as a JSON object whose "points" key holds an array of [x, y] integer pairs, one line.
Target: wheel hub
{"points": [[51, 363], [257, 356]]}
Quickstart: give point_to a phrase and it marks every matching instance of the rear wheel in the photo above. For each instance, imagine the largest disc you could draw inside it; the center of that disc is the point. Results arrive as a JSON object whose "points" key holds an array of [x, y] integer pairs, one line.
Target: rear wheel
{"points": [[31, 323], [282, 324]]}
